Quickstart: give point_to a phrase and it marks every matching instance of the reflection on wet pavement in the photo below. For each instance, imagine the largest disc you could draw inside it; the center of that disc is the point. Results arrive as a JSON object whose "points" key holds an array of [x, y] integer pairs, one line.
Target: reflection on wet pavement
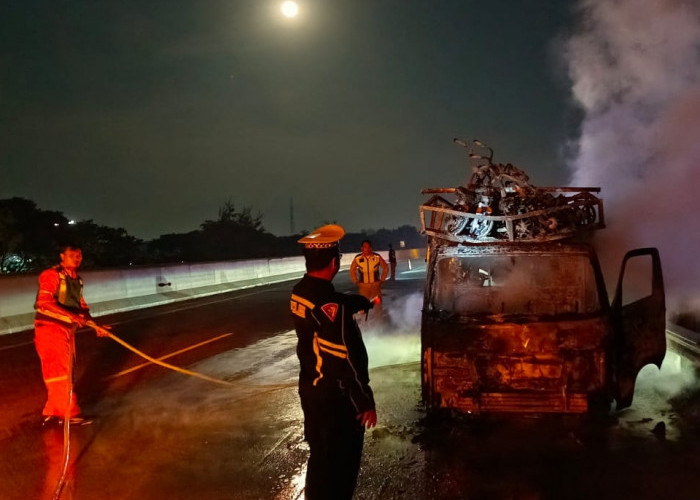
{"points": [[183, 438]]}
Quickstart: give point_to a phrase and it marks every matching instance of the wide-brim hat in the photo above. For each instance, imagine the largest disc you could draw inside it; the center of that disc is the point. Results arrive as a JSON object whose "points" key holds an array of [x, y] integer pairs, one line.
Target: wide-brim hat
{"points": [[324, 237]]}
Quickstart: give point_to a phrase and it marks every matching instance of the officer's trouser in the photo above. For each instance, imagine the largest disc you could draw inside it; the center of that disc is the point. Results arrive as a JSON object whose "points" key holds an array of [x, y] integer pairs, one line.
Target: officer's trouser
{"points": [[55, 344], [370, 290], [335, 440]]}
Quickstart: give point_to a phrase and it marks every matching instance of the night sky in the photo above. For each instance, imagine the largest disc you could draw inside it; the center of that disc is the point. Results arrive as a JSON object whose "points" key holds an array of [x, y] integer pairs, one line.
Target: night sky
{"points": [[150, 115]]}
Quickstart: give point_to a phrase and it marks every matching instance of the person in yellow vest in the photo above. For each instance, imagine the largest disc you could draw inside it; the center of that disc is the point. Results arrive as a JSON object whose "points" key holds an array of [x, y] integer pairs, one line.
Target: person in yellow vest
{"points": [[364, 271]]}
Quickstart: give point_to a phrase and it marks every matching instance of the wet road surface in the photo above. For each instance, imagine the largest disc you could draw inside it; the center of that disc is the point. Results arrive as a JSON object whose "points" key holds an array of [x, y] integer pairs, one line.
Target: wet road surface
{"points": [[165, 435]]}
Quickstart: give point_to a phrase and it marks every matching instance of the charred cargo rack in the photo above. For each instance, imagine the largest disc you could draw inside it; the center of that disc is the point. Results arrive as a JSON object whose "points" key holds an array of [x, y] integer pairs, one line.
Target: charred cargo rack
{"points": [[500, 205], [554, 213]]}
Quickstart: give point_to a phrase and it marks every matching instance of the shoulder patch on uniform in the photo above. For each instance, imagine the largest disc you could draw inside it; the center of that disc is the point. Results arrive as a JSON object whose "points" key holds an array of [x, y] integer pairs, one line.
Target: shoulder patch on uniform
{"points": [[330, 310]]}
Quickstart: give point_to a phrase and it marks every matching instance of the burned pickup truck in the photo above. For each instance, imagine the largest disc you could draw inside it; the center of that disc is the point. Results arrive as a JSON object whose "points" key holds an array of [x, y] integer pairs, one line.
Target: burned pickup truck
{"points": [[516, 316]]}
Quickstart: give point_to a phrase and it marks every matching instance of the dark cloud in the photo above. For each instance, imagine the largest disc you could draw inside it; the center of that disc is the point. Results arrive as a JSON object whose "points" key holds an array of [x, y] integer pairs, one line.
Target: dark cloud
{"points": [[150, 115]]}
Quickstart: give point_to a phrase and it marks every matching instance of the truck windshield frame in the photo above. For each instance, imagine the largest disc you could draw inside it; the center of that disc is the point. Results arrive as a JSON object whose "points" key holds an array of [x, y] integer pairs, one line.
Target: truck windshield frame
{"points": [[519, 284]]}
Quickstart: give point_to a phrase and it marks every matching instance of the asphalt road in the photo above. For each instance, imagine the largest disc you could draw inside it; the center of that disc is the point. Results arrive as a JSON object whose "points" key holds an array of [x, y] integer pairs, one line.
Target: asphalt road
{"points": [[161, 434]]}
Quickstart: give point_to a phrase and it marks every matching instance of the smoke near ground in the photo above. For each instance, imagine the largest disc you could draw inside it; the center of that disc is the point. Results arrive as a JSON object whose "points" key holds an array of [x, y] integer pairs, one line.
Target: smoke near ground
{"points": [[392, 336], [676, 376], [635, 72]]}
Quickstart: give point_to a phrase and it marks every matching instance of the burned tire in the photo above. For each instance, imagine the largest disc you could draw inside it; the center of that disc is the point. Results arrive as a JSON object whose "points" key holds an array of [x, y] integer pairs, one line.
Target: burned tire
{"points": [[480, 228], [455, 224]]}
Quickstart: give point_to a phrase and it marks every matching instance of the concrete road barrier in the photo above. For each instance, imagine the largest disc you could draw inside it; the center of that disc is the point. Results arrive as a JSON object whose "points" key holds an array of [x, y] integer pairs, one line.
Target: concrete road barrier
{"points": [[116, 290]]}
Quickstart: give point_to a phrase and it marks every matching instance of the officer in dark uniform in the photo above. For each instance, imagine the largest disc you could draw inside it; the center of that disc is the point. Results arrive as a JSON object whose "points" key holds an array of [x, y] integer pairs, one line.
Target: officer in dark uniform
{"points": [[392, 262], [334, 381]]}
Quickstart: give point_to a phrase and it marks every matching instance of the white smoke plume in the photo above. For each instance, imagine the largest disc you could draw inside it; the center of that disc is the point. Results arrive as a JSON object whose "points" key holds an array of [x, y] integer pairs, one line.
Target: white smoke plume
{"points": [[392, 336], [635, 72]]}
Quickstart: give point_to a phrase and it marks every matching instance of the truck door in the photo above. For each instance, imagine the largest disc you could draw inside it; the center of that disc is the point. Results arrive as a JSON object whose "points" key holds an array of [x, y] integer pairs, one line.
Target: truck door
{"points": [[639, 322]]}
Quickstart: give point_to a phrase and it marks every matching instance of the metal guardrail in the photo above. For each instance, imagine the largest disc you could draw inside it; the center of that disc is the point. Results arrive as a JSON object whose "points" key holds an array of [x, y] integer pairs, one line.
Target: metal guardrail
{"points": [[685, 340]]}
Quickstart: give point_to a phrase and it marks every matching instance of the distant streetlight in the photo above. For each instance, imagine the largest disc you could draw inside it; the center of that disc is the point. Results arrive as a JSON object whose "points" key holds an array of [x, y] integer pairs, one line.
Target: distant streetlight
{"points": [[70, 223], [290, 9]]}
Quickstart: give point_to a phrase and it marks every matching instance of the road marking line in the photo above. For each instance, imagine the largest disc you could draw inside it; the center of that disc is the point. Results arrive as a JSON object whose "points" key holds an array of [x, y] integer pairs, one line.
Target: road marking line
{"points": [[272, 287], [269, 288], [142, 365], [414, 271], [8, 347]]}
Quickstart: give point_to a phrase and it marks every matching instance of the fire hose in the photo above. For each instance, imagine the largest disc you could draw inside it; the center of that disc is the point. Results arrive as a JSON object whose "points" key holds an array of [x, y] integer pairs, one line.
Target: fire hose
{"points": [[66, 432], [104, 332]]}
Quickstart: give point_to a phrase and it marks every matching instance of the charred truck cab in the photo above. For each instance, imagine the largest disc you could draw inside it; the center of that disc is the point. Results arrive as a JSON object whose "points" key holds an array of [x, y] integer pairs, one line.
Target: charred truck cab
{"points": [[516, 315]]}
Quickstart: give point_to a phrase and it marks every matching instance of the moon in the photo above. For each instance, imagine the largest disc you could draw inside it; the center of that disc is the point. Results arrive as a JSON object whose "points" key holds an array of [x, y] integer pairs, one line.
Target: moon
{"points": [[290, 9]]}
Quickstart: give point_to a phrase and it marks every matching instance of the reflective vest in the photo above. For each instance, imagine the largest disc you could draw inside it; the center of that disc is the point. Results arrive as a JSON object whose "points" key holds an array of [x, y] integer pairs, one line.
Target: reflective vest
{"points": [[370, 267], [68, 296]]}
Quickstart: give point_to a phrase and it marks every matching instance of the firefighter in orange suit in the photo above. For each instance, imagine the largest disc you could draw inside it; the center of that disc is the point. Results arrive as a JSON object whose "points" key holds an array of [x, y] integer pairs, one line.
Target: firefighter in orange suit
{"points": [[60, 311], [364, 271], [336, 398]]}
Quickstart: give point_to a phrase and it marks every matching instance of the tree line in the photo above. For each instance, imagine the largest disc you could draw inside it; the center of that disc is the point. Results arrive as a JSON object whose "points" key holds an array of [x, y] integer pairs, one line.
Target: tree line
{"points": [[30, 238]]}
